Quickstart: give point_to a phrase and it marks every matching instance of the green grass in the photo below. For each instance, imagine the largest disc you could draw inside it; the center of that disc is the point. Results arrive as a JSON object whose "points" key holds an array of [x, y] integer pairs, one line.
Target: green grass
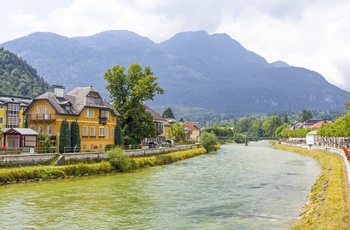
{"points": [[327, 206]]}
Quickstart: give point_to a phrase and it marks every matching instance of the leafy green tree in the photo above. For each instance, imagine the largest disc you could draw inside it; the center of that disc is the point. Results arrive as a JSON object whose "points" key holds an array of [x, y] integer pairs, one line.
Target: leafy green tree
{"points": [[176, 132], [270, 125], [129, 91], [168, 113], [65, 140], [75, 136], [306, 115], [209, 142]]}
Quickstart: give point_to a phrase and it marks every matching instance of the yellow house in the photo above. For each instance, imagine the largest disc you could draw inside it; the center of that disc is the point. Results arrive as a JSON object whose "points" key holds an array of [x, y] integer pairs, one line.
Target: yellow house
{"points": [[95, 116], [167, 124], [11, 111], [192, 130]]}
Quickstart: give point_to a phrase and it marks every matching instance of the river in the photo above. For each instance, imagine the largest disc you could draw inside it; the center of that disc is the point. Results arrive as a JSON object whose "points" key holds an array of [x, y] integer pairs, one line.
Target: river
{"points": [[239, 187]]}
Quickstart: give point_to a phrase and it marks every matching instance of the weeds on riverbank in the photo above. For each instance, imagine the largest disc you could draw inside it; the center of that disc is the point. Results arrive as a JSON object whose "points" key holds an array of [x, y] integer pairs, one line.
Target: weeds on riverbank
{"points": [[142, 162], [327, 206], [37, 173]]}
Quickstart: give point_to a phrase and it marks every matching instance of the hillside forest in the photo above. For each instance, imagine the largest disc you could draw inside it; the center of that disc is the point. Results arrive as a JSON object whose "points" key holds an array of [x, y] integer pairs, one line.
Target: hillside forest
{"points": [[17, 78]]}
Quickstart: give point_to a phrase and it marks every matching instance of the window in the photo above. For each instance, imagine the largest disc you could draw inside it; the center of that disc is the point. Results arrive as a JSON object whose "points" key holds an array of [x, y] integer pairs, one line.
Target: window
{"points": [[91, 113], [104, 113], [84, 146], [32, 127], [39, 110], [1, 120], [102, 131], [112, 132], [12, 108], [106, 132], [85, 131], [46, 112], [92, 131], [1, 107], [40, 128], [86, 112], [49, 130]]}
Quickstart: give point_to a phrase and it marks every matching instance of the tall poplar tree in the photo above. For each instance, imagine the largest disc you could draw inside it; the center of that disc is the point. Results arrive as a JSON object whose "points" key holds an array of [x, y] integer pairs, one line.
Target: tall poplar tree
{"points": [[64, 136], [75, 136]]}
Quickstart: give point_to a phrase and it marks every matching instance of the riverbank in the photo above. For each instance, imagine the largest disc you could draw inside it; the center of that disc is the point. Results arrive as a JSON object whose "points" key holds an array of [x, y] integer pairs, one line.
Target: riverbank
{"points": [[40, 173], [327, 206]]}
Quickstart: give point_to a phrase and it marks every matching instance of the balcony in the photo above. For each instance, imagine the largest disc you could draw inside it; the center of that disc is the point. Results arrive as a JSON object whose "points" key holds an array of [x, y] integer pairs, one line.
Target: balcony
{"points": [[42, 117], [103, 120]]}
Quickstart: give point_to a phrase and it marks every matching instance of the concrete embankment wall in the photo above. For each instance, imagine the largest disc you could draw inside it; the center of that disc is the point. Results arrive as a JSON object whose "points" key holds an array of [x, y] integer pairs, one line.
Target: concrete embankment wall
{"points": [[34, 159], [338, 152]]}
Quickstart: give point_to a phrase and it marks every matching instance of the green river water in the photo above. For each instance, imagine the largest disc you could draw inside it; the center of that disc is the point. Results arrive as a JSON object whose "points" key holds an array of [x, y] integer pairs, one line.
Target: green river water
{"points": [[239, 187]]}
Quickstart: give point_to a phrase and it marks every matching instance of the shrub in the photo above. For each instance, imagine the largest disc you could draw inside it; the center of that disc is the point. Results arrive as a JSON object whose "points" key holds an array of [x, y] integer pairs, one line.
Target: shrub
{"points": [[119, 159], [209, 142]]}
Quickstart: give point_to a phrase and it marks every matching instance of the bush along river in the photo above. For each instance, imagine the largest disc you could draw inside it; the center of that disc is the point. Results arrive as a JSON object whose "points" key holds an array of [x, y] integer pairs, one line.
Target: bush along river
{"points": [[239, 187]]}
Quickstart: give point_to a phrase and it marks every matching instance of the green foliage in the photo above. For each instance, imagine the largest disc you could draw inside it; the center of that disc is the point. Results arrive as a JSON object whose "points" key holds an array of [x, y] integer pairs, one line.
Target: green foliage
{"points": [[119, 159], [176, 132], [17, 78], [306, 115], [168, 113], [65, 140], [44, 142], [118, 136], [129, 91], [75, 135], [141, 162], [270, 125], [209, 142]]}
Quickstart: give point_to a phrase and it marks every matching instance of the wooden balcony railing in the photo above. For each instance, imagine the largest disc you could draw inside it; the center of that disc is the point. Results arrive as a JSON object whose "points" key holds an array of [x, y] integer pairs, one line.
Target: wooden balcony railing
{"points": [[42, 117]]}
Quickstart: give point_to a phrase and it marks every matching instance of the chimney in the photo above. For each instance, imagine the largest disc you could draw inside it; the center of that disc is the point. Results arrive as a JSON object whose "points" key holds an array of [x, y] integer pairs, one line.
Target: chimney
{"points": [[58, 90]]}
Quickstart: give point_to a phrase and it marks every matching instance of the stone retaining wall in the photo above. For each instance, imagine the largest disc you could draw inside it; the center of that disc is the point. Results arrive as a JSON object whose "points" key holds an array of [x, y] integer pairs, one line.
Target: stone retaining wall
{"points": [[34, 159], [26, 159]]}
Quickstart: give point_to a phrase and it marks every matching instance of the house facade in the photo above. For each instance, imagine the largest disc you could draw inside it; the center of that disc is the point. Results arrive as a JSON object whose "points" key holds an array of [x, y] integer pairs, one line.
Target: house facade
{"points": [[96, 117], [159, 123], [192, 130], [11, 111]]}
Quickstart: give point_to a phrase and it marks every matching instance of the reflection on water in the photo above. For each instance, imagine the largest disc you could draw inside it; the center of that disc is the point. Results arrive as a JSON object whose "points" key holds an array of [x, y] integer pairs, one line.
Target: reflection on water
{"points": [[240, 187]]}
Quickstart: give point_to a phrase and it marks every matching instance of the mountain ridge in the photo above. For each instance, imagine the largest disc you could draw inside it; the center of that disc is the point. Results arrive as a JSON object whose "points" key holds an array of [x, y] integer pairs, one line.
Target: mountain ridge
{"points": [[194, 68]]}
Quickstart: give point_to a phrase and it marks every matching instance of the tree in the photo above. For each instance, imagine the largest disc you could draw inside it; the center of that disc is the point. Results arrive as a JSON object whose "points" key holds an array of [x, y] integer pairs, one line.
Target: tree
{"points": [[270, 125], [75, 136], [209, 141], [306, 115], [176, 132], [64, 136], [118, 136], [168, 113], [129, 91]]}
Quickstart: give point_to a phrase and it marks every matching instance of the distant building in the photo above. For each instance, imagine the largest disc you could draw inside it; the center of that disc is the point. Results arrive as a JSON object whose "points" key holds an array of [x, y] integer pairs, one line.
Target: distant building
{"points": [[159, 123], [11, 111], [192, 130]]}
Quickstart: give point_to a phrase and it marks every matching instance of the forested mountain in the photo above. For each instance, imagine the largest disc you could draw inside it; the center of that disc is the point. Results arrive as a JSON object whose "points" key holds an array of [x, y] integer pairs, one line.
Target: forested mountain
{"points": [[196, 70], [17, 78]]}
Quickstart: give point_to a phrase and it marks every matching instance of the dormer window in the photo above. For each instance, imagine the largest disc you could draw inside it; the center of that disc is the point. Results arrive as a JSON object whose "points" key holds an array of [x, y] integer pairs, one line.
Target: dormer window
{"points": [[92, 94], [67, 107]]}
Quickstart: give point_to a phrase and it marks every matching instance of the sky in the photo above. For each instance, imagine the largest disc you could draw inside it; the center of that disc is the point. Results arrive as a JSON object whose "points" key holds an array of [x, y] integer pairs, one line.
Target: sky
{"points": [[314, 34]]}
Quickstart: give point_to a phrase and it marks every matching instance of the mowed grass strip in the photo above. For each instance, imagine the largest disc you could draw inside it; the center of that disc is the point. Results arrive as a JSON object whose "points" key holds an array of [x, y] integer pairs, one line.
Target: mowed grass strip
{"points": [[327, 205]]}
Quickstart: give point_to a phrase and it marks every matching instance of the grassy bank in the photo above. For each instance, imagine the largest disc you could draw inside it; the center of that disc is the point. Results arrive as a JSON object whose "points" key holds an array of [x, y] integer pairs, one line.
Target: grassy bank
{"points": [[38, 173], [327, 206]]}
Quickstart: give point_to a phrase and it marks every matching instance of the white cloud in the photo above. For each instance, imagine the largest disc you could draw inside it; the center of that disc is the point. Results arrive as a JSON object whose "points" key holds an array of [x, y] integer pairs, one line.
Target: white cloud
{"points": [[311, 34]]}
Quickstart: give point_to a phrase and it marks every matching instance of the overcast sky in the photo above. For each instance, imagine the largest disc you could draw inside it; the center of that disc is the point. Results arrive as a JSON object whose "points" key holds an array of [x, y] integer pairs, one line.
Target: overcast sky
{"points": [[314, 34]]}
